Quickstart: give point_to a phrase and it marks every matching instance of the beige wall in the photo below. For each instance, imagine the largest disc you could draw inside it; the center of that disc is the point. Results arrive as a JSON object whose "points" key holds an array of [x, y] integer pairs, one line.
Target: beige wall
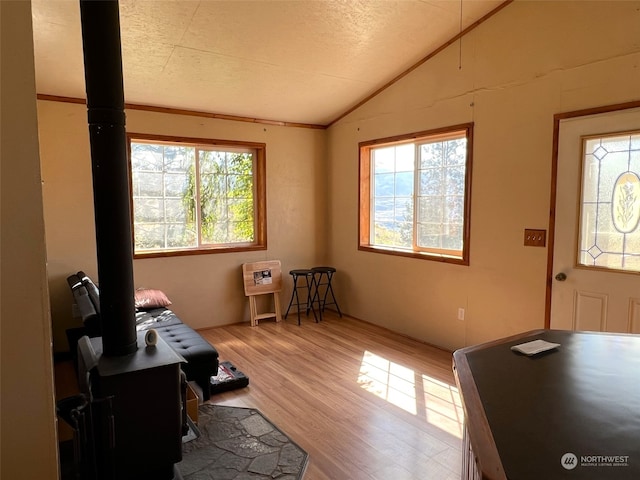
{"points": [[28, 412], [206, 290], [530, 61], [527, 63]]}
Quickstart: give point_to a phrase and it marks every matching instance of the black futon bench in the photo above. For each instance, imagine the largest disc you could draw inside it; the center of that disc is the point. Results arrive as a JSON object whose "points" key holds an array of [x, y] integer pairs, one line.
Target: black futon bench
{"points": [[201, 356]]}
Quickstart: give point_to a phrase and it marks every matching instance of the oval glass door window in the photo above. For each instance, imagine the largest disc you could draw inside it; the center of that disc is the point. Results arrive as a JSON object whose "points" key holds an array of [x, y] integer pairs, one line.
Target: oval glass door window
{"points": [[625, 204]]}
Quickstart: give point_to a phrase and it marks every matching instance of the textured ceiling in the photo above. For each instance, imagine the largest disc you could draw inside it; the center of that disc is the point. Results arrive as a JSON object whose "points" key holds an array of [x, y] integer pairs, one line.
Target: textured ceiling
{"points": [[297, 61]]}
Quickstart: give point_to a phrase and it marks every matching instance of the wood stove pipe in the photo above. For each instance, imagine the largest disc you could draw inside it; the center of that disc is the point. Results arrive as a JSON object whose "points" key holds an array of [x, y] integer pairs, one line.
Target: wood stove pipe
{"points": [[105, 105]]}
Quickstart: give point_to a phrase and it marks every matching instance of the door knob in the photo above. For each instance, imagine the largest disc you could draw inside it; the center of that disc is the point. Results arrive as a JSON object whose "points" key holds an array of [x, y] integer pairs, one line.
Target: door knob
{"points": [[561, 277]]}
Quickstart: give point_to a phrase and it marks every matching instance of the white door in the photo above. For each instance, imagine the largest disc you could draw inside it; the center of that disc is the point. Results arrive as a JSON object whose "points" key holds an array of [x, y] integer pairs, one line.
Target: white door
{"points": [[596, 256]]}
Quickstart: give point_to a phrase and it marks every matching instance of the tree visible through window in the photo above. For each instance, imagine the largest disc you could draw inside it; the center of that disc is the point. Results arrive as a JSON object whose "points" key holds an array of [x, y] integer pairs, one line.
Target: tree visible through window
{"points": [[196, 196], [414, 194]]}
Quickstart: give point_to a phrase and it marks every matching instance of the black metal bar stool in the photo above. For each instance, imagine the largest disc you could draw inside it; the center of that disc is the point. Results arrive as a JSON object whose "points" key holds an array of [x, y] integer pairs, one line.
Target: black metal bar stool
{"points": [[310, 287], [326, 274]]}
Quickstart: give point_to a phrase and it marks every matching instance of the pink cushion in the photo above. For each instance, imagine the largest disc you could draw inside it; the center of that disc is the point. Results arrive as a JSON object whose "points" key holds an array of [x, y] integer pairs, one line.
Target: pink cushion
{"points": [[147, 298]]}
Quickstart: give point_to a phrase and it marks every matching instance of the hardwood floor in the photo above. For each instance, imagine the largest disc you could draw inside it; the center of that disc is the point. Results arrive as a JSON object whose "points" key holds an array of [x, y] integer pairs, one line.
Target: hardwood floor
{"points": [[365, 403]]}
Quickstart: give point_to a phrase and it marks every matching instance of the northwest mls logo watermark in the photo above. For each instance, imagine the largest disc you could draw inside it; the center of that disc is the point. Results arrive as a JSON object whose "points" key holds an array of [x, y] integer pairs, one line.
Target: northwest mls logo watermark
{"points": [[569, 461]]}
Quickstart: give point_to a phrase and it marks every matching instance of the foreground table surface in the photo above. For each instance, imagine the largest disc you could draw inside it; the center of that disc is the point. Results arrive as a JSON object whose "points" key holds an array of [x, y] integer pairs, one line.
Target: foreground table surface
{"points": [[572, 412]]}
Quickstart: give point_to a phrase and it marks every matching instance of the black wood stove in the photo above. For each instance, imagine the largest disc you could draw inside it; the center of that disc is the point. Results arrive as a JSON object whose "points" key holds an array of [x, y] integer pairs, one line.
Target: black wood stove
{"points": [[135, 390]]}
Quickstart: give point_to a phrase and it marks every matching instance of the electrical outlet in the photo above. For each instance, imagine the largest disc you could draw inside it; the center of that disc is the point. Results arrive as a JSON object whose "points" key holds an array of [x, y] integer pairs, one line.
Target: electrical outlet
{"points": [[461, 314]]}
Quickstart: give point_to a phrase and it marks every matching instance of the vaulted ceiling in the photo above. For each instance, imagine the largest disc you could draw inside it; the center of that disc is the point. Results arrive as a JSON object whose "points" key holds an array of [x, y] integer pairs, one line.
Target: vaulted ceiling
{"points": [[294, 61]]}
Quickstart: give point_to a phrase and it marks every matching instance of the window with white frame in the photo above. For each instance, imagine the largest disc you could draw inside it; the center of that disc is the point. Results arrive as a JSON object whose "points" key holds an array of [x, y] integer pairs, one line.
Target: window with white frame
{"points": [[415, 194], [196, 196]]}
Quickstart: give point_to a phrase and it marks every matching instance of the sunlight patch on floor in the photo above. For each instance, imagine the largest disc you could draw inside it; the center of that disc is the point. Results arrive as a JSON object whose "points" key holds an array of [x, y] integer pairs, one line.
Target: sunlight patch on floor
{"points": [[389, 381], [436, 401], [443, 407]]}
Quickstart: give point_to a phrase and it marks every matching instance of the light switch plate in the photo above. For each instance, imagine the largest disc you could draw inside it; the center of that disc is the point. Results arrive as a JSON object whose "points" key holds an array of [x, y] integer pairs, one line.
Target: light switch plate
{"points": [[535, 238]]}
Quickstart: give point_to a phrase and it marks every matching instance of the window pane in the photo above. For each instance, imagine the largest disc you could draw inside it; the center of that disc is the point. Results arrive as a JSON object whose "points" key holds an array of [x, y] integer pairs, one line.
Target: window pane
{"points": [[240, 164], [431, 155], [384, 185], [240, 186], [145, 157], [383, 209], [441, 195], [149, 236], [456, 152], [406, 234], [226, 197], [148, 210], [610, 202], [192, 196], [162, 184], [177, 159], [453, 238], [454, 181], [430, 235], [174, 211], [213, 232], [390, 234], [392, 197], [404, 158], [212, 162], [384, 160], [180, 235], [632, 262], [239, 210], [438, 192], [149, 184], [610, 206], [431, 181], [430, 209], [176, 184], [403, 209], [404, 184], [454, 210]]}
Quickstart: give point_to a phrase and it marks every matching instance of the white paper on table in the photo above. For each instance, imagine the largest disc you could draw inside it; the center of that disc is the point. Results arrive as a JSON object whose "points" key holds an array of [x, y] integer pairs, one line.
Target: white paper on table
{"points": [[535, 346]]}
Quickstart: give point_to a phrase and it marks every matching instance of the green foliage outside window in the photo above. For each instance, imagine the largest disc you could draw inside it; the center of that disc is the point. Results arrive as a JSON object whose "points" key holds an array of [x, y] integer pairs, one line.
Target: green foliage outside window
{"points": [[226, 197], [187, 197]]}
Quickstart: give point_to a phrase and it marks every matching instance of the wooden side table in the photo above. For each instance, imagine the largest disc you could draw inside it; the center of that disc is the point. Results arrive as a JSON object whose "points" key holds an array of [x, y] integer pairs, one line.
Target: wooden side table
{"points": [[263, 278]]}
